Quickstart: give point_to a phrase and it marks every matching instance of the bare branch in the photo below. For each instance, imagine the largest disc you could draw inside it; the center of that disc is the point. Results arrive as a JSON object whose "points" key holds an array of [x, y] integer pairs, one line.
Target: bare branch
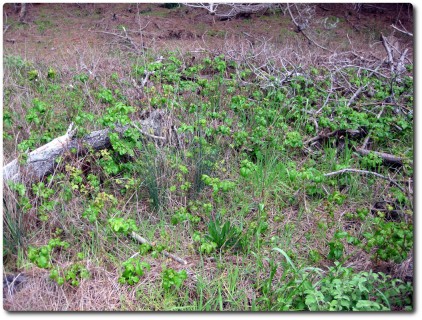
{"points": [[332, 134], [126, 38], [389, 53], [360, 89], [22, 12], [402, 30], [356, 94], [400, 64], [300, 28], [147, 134], [231, 10], [237, 9], [142, 240], [385, 156], [350, 170], [210, 7]]}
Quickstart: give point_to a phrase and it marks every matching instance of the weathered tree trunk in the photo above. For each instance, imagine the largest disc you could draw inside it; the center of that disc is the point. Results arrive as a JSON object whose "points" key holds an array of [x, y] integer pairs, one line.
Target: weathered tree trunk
{"points": [[42, 161]]}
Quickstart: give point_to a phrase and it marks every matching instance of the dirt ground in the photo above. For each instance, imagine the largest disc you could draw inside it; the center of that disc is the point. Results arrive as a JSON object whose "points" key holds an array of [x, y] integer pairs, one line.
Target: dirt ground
{"points": [[55, 32]]}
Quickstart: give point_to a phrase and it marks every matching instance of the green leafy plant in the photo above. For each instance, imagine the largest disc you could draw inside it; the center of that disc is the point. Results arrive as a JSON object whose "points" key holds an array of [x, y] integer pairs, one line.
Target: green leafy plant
{"points": [[246, 168], [37, 113], [122, 226], [41, 256], [145, 248], [105, 95], [293, 139], [371, 161], [132, 271], [56, 275], [336, 247], [388, 240], [82, 77], [207, 247], [341, 289], [98, 205], [182, 214], [217, 184], [23, 200], [171, 279], [32, 74], [52, 73], [73, 274], [108, 162], [337, 289], [45, 204]]}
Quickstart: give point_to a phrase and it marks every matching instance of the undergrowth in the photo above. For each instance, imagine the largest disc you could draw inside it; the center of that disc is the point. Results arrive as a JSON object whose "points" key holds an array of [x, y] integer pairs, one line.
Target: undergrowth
{"points": [[241, 180]]}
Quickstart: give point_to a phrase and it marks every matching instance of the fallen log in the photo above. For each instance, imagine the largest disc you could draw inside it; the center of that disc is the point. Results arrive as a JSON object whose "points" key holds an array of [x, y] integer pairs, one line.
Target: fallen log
{"points": [[42, 161]]}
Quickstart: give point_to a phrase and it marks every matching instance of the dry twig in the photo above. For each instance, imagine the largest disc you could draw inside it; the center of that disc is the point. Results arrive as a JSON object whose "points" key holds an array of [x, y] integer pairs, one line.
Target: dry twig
{"points": [[361, 88], [331, 134], [142, 240], [147, 134], [402, 30], [301, 29], [385, 156], [387, 47], [350, 170]]}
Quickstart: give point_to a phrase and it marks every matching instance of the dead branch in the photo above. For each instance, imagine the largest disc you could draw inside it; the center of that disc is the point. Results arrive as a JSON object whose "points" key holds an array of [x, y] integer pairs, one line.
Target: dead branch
{"points": [[350, 170], [402, 30], [361, 88], [13, 282], [5, 25], [142, 240], [210, 7], [385, 156], [356, 94], [238, 9], [400, 63], [328, 95], [125, 38], [301, 28], [148, 134], [140, 88], [375, 72], [387, 47], [332, 134], [41, 160], [22, 12]]}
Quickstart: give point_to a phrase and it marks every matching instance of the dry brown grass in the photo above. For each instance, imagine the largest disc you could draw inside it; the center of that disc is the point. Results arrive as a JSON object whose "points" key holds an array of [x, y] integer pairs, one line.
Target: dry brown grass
{"points": [[39, 293]]}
